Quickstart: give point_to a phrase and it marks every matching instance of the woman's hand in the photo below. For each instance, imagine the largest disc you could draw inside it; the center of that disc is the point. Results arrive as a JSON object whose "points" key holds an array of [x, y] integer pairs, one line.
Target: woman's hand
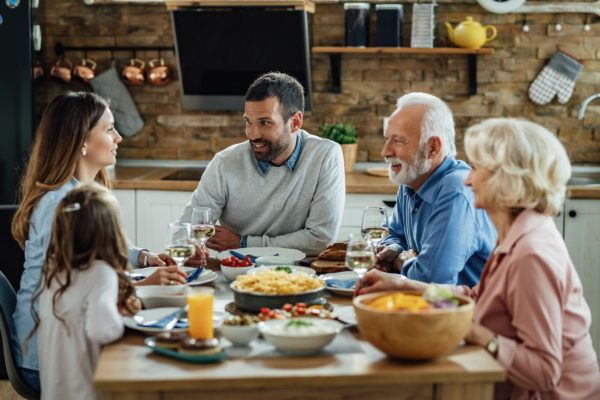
{"points": [[378, 281], [169, 275], [479, 335]]}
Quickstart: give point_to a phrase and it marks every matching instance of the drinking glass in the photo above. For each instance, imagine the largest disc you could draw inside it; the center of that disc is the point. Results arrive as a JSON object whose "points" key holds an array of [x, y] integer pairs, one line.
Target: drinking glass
{"points": [[179, 243], [374, 224], [203, 226], [360, 255]]}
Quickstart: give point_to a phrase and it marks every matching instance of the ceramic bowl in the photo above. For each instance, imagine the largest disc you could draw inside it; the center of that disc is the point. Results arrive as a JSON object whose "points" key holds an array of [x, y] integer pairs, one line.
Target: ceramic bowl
{"points": [[154, 296], [230, 273], [239, 335], [413, 335], [293, 268], [300, 341]]}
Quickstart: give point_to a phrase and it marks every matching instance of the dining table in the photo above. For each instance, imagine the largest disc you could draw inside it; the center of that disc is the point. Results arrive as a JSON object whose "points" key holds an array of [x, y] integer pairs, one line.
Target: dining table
{"points": [[127, 369]]}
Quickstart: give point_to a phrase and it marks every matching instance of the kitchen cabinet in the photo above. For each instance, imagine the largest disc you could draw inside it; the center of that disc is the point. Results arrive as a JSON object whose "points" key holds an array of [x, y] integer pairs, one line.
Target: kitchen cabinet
{"points": [[559, 220], [155, 209], [126, 199], [353, 211], [582, 236]]}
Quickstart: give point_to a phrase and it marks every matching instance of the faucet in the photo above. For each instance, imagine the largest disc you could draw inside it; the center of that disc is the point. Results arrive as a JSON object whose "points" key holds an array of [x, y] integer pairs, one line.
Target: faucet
{"points": [[585, 103]]}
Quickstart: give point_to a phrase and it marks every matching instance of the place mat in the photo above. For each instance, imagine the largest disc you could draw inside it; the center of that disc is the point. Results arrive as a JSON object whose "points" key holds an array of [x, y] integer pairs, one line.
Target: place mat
{"points": [[343, 343]]}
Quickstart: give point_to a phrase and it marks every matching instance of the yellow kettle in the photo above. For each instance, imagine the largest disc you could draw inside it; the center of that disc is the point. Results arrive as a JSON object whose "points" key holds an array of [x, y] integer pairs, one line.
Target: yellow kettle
{"points": [[470, 34]]}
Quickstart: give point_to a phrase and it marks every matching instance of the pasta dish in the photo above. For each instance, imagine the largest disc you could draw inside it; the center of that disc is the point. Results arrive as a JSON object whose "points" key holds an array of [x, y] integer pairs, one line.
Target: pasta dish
{"points": [[277, 283]]}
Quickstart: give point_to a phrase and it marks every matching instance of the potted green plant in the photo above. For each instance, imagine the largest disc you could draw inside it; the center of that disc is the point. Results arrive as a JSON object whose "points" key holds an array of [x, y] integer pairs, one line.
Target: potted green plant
{"points": [[345, 135]]}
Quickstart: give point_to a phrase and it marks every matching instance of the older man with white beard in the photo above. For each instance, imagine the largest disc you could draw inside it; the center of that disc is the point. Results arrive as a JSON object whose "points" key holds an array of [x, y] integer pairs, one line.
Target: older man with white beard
{"points": [[436, 233]]}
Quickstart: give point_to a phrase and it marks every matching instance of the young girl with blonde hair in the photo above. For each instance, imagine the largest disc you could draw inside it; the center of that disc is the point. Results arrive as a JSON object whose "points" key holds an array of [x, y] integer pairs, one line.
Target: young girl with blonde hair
{"points": [[84, 290]]}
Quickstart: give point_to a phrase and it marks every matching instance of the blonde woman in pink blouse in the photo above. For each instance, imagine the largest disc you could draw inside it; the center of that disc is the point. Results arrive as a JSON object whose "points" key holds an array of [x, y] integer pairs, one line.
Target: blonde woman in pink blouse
{"points": [[530, 311]]}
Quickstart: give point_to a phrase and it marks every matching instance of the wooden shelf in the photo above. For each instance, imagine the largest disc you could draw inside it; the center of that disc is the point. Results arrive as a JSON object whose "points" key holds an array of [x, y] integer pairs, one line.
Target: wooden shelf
{"points": [[400, 50], [305, 5], [335, 57]]}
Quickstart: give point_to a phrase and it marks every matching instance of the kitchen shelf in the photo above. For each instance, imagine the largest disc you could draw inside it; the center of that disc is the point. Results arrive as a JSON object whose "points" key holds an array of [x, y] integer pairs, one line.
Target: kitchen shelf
{"points": [[335, 57], [305, 5]]}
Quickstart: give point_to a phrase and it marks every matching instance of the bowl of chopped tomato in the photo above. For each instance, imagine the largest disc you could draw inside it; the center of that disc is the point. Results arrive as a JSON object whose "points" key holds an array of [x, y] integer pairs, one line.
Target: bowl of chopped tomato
{"points": [[232, 267], [414, 325]]}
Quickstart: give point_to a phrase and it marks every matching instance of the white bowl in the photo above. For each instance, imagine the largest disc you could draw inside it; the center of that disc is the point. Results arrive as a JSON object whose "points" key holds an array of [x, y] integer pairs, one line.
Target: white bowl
{"points": [[295, 268], [154, 296], [274, 260], [230, 273], [239, 335], [303, 341]]}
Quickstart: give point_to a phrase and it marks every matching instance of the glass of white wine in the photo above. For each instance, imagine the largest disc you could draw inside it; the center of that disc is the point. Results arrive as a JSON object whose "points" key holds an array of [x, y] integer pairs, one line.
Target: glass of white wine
{"points": [[374, 224], [203, 226], [360, 255], [179, 243]]}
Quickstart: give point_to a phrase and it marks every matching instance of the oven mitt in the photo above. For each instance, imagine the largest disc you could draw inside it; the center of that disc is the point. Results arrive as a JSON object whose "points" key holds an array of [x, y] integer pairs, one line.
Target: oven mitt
{"points": [[127, 118], [557, 78]]}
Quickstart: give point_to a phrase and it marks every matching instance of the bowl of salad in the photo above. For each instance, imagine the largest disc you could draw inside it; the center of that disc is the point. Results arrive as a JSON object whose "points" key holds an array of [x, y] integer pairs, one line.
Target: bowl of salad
{"points": [[414, 325], [232, 267], [300, 336]]}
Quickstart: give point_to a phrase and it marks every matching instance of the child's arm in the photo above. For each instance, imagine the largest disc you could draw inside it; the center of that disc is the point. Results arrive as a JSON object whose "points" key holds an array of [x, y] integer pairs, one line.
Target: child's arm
{"points": [[103, 322]]}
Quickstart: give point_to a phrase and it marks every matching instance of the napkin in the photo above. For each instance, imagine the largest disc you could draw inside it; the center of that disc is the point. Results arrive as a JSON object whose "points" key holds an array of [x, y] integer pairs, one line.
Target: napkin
{"points": [[341, 283], [241, 255], [161, 323], [194, 275]]}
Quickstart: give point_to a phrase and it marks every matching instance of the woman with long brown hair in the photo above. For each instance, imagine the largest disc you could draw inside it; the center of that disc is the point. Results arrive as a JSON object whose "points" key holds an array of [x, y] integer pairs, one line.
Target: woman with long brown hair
{"points": [[75, 141]]}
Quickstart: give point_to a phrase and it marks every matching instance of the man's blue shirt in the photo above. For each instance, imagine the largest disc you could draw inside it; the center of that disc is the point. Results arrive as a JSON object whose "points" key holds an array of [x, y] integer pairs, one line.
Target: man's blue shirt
{"points": [[439, 221]]}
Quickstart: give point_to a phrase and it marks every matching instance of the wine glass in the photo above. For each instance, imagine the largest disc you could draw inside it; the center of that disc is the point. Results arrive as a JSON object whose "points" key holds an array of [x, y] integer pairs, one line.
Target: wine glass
{"points": [[374, 224], [360, 255], [203, 226], [179, 243]]}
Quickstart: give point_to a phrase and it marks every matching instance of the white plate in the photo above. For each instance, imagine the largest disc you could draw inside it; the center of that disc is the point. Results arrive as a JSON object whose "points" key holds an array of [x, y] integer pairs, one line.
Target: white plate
{"points": [[151, 315], [206, 276], [265, 251], [346, 314], [295, 268], [344, 275], [158, 313]]}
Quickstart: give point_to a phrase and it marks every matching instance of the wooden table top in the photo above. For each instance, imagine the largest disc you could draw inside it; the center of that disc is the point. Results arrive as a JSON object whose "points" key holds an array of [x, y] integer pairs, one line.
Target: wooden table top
{"points": [[128, 364]]}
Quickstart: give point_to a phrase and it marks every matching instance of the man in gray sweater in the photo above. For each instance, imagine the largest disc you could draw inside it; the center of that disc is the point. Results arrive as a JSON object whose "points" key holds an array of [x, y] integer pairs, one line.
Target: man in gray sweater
{"points": [[283, 187]]}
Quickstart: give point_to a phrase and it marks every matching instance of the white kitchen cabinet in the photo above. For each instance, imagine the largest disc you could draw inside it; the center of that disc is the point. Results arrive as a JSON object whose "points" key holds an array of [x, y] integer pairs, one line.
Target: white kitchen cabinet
{"points": [[582, 235], [559, 220], [353, 210], [126, 199], [155, 210]]}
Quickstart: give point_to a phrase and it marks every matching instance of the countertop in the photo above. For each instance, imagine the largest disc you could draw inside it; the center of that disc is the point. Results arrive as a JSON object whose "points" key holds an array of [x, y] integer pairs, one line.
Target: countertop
{"points": [[148, 175]]}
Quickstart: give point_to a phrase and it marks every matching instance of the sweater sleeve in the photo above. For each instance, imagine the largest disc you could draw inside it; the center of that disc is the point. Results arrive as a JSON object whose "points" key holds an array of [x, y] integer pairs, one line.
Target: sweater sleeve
{"points": [[103, 322], [534, 298], [326, 209]]}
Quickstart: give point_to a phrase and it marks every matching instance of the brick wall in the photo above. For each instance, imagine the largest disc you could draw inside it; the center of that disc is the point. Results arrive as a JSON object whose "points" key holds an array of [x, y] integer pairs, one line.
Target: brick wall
{"points": [[370, 84]]}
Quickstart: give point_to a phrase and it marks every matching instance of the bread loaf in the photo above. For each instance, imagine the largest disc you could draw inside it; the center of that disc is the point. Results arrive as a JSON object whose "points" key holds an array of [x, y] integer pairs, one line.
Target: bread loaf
{"points": [[335, 252]]}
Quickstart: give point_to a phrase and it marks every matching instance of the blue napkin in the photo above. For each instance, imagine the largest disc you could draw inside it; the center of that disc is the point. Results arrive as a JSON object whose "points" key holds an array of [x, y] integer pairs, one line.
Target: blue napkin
{"points": [[341, 283], [241, 255], [194, 275], [161, 323]]}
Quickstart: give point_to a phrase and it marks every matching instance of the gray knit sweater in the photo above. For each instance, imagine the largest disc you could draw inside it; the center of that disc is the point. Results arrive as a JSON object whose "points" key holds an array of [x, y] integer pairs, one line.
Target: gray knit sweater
{"points": [[300, 209]]}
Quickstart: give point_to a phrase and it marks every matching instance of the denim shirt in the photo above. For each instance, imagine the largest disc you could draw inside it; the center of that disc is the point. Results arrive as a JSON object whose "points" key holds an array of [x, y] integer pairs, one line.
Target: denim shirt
{"points": [[40, 228], [453, 240]]}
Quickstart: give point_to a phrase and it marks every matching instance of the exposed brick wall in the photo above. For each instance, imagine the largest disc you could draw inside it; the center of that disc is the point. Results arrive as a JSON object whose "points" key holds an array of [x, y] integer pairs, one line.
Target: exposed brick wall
{"points": [[370, 83]]}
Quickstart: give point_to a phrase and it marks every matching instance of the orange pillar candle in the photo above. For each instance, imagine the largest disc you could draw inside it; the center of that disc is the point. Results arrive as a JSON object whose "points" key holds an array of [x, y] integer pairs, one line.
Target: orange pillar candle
{"points": [[200, 315]]}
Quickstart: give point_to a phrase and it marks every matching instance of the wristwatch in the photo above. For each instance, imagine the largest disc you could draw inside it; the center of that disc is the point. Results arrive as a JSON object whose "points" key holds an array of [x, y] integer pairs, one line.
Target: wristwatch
{"points": [[492, 346]]}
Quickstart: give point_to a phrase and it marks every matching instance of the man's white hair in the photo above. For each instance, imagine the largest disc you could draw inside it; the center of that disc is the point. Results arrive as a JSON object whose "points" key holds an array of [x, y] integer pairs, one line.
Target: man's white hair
{"points": [[437, 120]]}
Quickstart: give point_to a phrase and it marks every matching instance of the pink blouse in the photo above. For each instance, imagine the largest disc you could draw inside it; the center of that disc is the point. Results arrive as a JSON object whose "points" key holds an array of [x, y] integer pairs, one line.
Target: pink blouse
{"points": [[530, 295]]}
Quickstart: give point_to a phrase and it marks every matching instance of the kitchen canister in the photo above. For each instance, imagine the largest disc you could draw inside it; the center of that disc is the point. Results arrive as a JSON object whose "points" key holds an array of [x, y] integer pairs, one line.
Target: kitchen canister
{"points": [[389, 25], [356, 16]]}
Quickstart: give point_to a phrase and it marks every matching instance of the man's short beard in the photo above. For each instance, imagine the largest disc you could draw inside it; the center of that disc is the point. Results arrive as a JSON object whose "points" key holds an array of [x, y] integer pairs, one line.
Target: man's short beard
{"points": [[409, 172]]}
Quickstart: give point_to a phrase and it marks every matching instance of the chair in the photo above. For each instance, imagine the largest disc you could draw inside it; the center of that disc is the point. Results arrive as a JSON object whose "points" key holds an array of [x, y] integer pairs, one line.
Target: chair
{"points": [[8, 300]]}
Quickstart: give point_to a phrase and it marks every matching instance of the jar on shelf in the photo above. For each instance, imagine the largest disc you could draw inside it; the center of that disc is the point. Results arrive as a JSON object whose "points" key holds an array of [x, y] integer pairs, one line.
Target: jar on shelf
{"points": [[389, 25], [356, 17]]}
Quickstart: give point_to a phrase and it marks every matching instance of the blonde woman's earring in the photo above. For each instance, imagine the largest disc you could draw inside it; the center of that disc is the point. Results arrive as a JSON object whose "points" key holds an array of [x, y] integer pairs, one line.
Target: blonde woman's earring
{"points": [[84, 152]]}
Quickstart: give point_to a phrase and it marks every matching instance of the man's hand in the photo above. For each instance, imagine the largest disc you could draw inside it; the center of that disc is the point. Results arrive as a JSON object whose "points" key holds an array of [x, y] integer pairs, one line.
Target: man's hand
{"points": [[384, 260], [223, 239], [198, 259]]}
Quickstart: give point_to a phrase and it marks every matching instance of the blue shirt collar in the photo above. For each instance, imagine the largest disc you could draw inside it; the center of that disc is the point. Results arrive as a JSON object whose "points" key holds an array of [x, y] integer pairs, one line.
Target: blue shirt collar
{"points": [[291, 161], [427, 191]]}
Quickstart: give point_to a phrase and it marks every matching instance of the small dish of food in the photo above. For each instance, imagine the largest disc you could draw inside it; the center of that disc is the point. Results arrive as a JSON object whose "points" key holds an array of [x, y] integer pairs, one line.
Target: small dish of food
{"points": [[232, 267], [240, 330], [300, 336]]}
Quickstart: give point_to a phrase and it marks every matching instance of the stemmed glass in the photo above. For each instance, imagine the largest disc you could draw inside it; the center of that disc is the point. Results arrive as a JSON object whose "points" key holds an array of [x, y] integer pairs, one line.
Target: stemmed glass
{"points": [[360, 255], [203, 226], [374, 224], [179, 243]]}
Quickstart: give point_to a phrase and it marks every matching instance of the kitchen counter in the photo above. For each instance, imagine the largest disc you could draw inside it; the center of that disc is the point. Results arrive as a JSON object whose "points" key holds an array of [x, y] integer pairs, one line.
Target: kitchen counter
{"points": [[150, 177]]}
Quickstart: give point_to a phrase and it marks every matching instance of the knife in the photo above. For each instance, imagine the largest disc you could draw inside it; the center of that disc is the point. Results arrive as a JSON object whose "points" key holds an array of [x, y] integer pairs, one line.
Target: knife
{"points": [[171, 324]]}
